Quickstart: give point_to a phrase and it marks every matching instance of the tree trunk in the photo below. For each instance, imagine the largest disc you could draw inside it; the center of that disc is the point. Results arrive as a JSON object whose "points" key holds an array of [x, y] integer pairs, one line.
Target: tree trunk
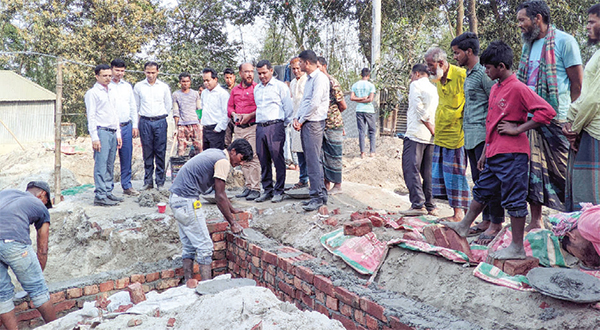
{"points": [[460, 16], [472, 16]]}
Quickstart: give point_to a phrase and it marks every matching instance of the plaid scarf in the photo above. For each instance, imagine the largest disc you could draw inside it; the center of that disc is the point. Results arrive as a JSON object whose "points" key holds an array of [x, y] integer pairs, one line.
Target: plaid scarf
{"points": [[546, 85]]}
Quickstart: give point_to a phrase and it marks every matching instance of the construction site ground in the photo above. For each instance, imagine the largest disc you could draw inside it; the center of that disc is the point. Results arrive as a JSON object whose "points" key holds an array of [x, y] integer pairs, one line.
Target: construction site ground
{"points": [[87, 239]]}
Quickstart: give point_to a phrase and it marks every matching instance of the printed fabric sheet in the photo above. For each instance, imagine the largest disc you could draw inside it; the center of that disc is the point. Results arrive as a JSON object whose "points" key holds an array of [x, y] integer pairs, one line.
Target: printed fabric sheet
{"points": [[362, 253]]}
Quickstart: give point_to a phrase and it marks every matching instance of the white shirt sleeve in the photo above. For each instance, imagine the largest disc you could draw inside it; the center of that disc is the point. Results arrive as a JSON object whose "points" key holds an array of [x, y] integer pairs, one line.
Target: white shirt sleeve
{"points": [[91, 109]]}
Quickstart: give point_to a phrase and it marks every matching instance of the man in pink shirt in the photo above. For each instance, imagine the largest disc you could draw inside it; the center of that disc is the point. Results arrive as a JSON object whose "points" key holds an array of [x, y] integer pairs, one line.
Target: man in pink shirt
{"points": [[505, 159], [241, 108]]}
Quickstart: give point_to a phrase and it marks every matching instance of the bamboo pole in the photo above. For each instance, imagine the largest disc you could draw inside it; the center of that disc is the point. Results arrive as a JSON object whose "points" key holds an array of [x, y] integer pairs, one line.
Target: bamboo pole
{"points": [[58, 131]]}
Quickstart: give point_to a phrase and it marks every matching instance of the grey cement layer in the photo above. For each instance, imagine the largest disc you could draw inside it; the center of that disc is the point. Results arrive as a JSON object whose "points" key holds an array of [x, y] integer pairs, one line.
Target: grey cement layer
{"points": [[408, 311], [216, 286], [566, 284]]}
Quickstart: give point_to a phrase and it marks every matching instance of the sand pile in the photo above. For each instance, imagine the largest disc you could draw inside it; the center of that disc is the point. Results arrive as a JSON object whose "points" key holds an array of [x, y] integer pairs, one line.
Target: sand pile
{"points": [[240, 308]]}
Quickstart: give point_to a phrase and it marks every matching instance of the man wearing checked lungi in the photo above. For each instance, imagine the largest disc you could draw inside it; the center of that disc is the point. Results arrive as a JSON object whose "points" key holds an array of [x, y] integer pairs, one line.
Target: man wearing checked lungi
{"points": [[449, 157]]}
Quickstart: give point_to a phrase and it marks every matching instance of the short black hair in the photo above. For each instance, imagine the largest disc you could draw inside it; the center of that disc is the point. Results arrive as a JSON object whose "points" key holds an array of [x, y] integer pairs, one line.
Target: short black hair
{"points": [[365, 72], [228, 71], [535, 7], [151, 63], [309, 56], [213, 72], [262, 63], [595, 9], [322, 60], [465, 41], [101, 67], [184, 75], [243, 147], [118, 63], [496, 53], [420, 68]]}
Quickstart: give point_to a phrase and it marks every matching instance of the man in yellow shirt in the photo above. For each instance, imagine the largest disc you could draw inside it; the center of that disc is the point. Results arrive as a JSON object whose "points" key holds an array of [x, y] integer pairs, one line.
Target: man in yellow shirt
{"points": [[449, 156]]}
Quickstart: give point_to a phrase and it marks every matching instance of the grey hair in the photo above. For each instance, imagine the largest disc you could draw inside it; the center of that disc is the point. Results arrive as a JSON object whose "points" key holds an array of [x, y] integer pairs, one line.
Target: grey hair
{"points": [[436, 54]]}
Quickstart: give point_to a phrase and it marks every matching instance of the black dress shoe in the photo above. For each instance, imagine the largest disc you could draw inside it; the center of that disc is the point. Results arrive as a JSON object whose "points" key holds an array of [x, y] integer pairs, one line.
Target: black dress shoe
{"points": [[263, 198], [148, 186], [278, 198], [114, 198], [104, 202], [313, 205], [252, 195], [243, 194]]}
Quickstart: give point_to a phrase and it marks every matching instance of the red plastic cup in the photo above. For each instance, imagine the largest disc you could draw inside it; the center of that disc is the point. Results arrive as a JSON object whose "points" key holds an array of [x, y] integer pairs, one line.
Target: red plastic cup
{"points": [[162, 207]]}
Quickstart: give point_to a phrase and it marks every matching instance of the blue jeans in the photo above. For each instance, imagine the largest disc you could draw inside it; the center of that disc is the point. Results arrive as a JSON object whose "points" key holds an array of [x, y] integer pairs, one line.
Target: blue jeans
{"points": [[366, 121], [23, 261], [153, 135], [125, 156], [193, 232], [312, 142], [104, 163], [303, 169]]}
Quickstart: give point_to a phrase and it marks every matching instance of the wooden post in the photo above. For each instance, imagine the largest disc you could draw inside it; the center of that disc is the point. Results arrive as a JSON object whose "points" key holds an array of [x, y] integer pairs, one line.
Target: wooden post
{"points": [[58, 131], [376, 52]]}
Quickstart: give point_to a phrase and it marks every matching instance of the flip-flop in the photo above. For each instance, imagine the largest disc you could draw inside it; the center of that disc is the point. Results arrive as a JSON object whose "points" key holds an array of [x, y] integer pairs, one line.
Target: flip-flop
{"points": [[485, 237], [474, 231]]}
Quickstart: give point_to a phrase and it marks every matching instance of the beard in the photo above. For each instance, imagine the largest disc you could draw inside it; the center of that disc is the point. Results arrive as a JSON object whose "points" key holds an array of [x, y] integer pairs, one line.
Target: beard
{"points": [[530, 36], [439, 73], [596, 32]]}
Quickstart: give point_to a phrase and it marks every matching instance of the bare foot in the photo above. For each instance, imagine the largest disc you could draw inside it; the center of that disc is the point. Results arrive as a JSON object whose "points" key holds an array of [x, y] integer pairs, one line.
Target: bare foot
{"points": [[460, 228], [362, 155], [453, 218], [489, 234], [479, 228], [335, 191], [511, 252], [372, 154], [534, 225]]}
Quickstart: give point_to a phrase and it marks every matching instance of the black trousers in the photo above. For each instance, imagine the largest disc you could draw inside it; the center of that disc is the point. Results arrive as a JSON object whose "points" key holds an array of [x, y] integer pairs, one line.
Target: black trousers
{"points": [[153, 135], [417, 159], [493, 211], [212, 139], [269, 148]]}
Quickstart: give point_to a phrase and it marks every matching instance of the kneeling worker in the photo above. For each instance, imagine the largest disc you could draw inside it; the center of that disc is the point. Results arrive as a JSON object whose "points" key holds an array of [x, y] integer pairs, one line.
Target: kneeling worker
{"points": [[207, 169], [19, 211]]}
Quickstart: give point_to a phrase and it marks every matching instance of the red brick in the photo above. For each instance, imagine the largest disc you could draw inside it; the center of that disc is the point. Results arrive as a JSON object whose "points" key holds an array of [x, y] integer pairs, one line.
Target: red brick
{"points": [[331, 303], [347, 297], [28, 315], [215, 226], [286, 264], [372, 323], [397, 325], [138, 278], [57, 297], [102, 301], [348, 323], [320, 296], [307, 289], [255, 250], [345, 310], [377, 221], [167, 283], [517, 267], [218, 246], [171, 323], [359, 316], [298, 283], [307, 300], [219, 263], [152, 277], [445, 237], [358, 227], [107, 286], [271, 270], [217, 237], [357, 216], [242, 254], [306, 274], [168, 273], [331, 221], [179, 272], [219, 255], [324, 284], [323, 210], [269, 257], [90, 290], [146, 288], [243, 218], [136, 293], [220, 271], [229, 237], [336, 211], [372, 308], [256, 261], [74, 293], [122, 283], [286, 288], [242, 243], [269, 278], [322, 309]]}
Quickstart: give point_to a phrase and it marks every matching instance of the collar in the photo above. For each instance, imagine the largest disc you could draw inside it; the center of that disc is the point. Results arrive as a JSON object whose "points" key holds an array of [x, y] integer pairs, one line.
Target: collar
{"points": [[102, 88], [121, 82], [315, 73], [157, 82], [508, 80], [242, 86], [476, 67], [214, 90]]}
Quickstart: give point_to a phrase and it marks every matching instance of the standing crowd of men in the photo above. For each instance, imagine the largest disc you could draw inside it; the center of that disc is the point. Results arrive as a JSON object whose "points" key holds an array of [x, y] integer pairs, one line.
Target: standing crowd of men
{"points": [[530, 137]]}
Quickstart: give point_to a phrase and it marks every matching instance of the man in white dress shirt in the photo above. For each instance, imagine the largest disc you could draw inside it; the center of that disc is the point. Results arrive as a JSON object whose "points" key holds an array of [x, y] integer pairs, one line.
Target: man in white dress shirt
{"points": [[274, 112], [153, 99], [128, 121], [103, 125], [214, 111], [310, 121]]}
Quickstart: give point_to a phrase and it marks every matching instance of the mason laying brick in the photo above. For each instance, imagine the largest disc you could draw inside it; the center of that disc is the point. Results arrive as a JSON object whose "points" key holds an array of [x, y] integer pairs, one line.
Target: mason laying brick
{"points": [[207, 169]]}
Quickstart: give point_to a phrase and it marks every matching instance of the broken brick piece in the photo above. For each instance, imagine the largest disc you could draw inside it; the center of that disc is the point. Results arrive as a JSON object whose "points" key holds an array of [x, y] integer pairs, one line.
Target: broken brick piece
{"points": [[445, 237], [123, 308], [134, 322], [332, 221], [336, 211], [102, 301], [356, 216], [136, 293], [376, 221], [358, 228], [171, 323], [517, 267], [323, 210]]}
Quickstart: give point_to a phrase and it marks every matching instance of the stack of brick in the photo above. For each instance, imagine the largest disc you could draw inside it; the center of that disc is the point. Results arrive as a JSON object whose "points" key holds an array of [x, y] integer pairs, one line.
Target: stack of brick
{"points": [[284, 271]]}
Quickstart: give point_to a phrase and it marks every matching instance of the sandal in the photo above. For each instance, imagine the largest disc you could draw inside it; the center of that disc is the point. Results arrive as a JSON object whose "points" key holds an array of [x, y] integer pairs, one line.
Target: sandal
{"points": [[484, 239]]}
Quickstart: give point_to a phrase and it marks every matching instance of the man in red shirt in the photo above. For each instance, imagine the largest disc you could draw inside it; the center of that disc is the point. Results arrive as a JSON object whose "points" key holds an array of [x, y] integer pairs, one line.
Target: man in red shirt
{"points": [[505, 159], [241, 108]]}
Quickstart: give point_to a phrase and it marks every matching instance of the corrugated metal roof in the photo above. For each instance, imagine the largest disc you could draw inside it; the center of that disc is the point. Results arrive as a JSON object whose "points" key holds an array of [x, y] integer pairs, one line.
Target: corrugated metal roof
{"points": [[14, 87]]}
